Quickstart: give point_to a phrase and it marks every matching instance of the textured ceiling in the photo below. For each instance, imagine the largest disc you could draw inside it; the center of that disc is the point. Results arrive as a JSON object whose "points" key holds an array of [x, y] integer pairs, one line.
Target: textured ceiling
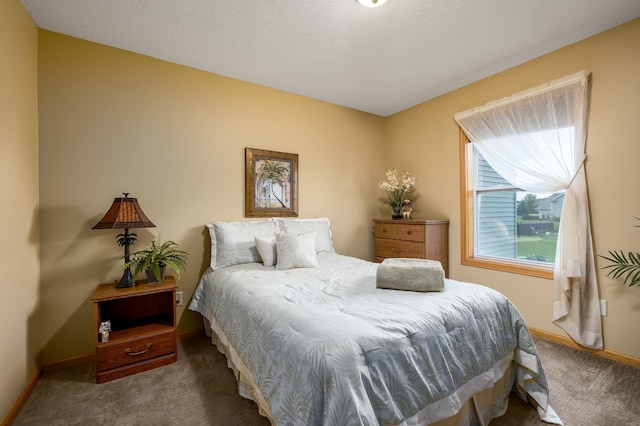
{"points": [[379, 60]]}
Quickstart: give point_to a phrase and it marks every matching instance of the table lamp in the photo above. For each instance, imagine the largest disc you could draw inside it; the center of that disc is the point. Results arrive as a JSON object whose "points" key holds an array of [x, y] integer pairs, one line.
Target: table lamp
{"points": [[125, 213]]}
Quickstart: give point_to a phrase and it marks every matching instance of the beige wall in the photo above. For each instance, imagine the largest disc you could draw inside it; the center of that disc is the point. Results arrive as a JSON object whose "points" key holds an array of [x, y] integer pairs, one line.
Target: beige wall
{"points": [[112, 121], [424, 139], [19, 194]]}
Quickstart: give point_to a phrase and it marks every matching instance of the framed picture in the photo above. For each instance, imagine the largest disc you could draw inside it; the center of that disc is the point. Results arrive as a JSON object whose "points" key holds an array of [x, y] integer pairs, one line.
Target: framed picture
{"points": [[270, 183]]}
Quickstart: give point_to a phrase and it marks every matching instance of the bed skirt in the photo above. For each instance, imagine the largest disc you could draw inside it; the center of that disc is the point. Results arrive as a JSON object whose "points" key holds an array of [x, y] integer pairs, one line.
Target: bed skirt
{"points": [[481, 399]]}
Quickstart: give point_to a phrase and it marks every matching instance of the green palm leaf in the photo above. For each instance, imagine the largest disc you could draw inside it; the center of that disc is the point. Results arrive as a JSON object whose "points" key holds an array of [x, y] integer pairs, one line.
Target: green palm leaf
{"points": [[624, 266]]}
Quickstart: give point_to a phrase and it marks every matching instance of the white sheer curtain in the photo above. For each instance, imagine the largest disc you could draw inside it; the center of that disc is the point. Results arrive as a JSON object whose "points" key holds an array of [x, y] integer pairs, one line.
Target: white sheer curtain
{"points": [[535, 140]]}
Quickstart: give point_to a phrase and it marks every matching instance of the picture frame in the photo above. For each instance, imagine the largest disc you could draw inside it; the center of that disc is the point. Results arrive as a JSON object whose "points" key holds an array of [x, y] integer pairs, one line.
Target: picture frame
{"points": [[271, 183]]}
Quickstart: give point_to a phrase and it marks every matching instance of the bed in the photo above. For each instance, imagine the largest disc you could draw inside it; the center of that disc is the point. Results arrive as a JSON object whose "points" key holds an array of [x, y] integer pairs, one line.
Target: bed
{"points": [[313, 341]]}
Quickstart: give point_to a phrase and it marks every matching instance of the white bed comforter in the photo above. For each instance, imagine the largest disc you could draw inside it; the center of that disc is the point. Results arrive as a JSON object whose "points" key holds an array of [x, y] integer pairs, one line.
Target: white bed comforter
{"points": [[325, 346]]}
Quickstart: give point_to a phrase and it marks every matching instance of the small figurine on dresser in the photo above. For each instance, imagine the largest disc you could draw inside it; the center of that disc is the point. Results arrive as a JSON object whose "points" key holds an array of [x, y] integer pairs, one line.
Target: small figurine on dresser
{"points": [[406, 209]]}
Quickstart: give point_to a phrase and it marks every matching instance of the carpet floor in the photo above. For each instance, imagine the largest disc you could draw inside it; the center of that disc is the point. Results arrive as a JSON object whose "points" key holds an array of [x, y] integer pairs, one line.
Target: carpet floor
{"points": [[199, 389]]}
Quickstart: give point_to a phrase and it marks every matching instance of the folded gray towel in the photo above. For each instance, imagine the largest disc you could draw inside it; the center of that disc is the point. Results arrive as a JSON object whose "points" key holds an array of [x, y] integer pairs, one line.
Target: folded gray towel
{"points": [[410, 274]]}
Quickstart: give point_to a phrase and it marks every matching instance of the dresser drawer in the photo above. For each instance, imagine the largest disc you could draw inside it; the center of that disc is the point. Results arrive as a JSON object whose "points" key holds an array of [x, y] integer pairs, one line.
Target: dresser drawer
{"points": [[400, 231], [116, 354], [420, 239], [396, 248], [384, 230]]}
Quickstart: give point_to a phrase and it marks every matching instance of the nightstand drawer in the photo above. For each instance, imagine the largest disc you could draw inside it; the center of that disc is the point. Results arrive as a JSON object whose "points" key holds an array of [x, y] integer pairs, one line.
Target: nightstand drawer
{"points": [[120, 353], [395, 248]]}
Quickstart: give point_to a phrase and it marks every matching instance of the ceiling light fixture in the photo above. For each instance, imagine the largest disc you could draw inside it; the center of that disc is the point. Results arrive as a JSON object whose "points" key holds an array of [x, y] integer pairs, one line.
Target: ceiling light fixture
{"points": [[372, 3]]}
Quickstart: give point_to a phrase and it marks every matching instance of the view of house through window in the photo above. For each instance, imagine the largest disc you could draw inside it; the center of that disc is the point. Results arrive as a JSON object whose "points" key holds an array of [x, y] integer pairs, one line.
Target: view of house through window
{"points": [[511, 223]]}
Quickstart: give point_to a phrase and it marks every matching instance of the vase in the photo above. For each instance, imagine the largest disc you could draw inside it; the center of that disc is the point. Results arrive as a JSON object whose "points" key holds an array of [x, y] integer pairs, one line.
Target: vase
{"points": [[397, 212], [151, 277]]}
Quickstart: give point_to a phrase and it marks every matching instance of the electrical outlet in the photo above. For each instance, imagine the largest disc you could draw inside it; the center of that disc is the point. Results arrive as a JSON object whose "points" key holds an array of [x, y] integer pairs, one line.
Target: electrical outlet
{"points": [[178, 298], [603, 308]]}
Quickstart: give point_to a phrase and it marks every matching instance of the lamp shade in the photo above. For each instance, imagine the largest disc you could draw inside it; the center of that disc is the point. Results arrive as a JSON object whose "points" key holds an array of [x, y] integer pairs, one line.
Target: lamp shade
{"points": [[124, 213]]}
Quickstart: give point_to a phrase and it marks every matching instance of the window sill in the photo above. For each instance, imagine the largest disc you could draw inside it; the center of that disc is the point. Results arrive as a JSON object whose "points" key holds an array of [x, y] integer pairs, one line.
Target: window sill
{"points": [[523, 268]]}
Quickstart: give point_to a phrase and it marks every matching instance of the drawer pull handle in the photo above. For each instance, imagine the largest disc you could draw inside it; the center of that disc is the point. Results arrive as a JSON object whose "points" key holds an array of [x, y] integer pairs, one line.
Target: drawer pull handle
{"points": [[384, 230], [409, 232], [396, 250], [128, 351]]}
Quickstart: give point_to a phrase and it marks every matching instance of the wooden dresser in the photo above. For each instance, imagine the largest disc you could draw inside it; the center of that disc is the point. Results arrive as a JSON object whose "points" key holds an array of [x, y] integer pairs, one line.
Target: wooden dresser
{"points": [[422, 239]]}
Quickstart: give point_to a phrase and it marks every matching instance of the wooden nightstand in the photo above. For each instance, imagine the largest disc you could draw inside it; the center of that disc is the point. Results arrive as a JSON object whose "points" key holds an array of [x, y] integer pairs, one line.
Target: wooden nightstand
{"points": [[143, 328], [422, 239]]}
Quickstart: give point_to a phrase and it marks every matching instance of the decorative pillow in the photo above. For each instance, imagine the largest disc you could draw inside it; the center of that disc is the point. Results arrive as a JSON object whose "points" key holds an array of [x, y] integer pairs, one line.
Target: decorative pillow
{"points": [[235, 242], [321, 226], [296, 250], [267, 250]]}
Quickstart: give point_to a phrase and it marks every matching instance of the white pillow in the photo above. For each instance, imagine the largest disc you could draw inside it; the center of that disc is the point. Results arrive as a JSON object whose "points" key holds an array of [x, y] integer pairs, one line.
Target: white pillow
{"points": [[321, 226], [235, 242], [267, 250], [296, 251]]}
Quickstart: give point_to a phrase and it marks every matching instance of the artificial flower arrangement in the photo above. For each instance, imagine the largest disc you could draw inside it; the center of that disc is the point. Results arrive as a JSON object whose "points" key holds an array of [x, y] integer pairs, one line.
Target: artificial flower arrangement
{"points": [[396, 188]]}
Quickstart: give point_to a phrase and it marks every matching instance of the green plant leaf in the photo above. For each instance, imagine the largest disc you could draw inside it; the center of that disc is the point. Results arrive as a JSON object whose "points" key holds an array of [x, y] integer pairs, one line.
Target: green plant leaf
{"points": [[156, 255], [624, 266]]}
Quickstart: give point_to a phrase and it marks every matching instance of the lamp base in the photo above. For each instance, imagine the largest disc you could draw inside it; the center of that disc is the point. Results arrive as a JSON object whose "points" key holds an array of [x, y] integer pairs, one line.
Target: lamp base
{"points": [[126, 280]]}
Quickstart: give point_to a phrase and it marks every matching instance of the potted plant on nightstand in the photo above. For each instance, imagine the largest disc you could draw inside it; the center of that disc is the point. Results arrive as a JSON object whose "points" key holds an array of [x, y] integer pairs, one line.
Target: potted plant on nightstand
{"points": [[156, 258]]}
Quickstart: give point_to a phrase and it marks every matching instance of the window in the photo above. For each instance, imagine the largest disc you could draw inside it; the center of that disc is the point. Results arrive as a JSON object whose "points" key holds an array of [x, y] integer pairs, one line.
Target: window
{"points": [[535, 139], [504, 227]]}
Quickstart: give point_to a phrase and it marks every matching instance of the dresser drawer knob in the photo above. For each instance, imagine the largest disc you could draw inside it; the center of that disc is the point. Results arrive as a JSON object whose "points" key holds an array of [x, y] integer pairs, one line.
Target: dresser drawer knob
{"points": [[128, 351], [409, 232], [395, 250]]}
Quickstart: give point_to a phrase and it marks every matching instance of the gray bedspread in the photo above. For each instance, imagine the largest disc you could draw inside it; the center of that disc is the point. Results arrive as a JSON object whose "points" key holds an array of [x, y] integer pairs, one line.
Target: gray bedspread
{"points": [[325, 346]]}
